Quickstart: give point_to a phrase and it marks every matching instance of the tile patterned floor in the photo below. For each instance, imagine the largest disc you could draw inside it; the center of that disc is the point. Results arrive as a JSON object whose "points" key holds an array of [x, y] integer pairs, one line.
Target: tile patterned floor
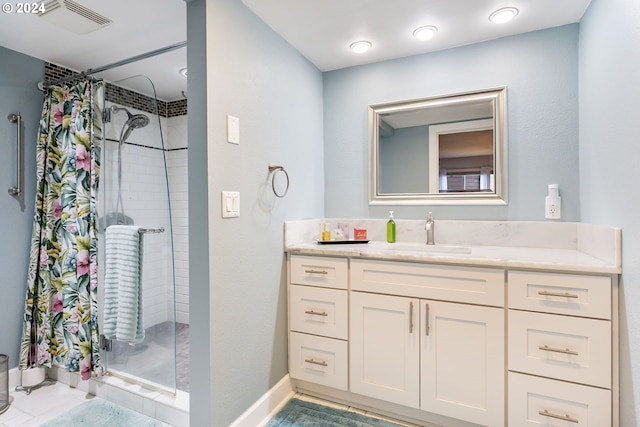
{"points": [[43, 404]]}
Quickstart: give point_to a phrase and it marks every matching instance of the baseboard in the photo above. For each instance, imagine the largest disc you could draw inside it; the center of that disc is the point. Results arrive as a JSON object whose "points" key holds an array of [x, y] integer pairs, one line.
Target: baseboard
{"points": [[267, 406]]}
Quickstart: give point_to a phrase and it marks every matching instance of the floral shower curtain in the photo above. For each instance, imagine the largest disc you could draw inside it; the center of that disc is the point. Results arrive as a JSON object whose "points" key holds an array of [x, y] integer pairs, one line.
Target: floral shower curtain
{"points": [[61, 312]]}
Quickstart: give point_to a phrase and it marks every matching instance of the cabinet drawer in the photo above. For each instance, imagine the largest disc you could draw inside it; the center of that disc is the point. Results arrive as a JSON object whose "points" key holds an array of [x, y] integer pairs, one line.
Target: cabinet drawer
{"points": [[569, 348], [483, 286], [572, 294], [318, 311], [535, 401], [318, 359], [319, 271]]}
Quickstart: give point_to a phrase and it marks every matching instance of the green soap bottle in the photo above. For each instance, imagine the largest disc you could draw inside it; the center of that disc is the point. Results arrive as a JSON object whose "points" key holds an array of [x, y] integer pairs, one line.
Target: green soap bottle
{"points": [[391, 229]]}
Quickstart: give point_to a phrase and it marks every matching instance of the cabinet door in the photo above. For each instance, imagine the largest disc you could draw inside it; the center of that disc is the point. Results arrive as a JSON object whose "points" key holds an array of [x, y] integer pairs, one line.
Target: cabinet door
{"points": [[462, 361], [384, 348]]}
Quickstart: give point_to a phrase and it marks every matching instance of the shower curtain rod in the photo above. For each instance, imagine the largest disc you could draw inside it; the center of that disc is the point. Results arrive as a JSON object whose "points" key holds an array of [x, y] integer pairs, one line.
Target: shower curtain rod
{"points": [[45, 84]]}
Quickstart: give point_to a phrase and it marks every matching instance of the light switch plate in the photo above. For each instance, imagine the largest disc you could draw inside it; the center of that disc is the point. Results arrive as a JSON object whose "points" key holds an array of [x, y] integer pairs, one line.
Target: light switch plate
{"points": [[230, 204], [233, 130]]}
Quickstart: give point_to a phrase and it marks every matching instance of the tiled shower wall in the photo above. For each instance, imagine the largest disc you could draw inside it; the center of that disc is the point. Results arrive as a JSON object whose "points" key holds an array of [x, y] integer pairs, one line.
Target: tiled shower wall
{"points": [[177, 170], [146, 156]]}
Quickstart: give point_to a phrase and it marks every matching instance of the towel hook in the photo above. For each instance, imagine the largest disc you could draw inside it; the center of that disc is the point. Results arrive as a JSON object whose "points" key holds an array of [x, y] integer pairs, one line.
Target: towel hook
{"points": [[273, 170]]}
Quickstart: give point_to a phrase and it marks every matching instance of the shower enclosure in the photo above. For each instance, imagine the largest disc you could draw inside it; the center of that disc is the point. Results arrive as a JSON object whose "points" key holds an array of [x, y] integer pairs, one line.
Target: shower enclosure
{"points": [[134, 190]]}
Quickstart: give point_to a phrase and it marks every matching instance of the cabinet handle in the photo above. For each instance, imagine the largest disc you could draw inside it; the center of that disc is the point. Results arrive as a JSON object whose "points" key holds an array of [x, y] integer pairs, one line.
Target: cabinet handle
{"points": [[559, 417], [316, 362], [557, 294], [557, 350], [316, 313], [316, 272], [426, 323], [411, 317]]}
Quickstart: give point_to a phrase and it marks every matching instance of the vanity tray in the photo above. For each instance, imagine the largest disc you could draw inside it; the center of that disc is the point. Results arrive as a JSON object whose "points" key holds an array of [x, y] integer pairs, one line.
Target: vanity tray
{"points": [[340, 242]]}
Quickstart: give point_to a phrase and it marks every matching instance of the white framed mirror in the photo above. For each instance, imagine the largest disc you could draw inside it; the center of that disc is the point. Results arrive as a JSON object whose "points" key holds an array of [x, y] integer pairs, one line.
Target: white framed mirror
{"points": [[448, 149]]}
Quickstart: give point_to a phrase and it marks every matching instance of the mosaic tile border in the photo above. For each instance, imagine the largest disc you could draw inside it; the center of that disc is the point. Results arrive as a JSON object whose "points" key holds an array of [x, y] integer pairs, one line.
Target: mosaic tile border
{"points": [[123, 96]]}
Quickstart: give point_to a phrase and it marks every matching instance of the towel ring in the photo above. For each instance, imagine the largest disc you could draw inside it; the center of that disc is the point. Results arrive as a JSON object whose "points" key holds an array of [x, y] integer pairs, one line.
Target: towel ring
{"points": [[274, 169]]}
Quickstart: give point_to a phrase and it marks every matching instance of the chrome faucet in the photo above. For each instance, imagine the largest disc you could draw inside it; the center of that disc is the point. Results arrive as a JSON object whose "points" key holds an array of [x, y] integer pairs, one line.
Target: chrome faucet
{"points": [[430, 227]]}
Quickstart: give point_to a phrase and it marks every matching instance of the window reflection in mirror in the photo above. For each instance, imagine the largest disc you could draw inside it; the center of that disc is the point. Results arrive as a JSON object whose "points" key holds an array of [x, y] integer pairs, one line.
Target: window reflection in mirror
{"points": [[447, 150]]}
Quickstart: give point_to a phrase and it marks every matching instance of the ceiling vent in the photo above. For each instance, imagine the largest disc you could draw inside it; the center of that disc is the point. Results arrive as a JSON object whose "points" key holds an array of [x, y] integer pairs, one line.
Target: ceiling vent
{"points": [[73, 17]]}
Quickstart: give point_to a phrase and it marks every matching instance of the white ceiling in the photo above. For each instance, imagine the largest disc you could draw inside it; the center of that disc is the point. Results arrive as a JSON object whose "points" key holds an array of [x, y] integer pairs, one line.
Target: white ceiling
{"points": [[320, 29], [139, 26]]}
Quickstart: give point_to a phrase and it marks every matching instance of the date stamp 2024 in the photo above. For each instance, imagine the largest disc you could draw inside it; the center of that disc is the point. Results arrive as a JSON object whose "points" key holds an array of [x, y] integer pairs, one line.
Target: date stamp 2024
{"points": [[23, 8]]}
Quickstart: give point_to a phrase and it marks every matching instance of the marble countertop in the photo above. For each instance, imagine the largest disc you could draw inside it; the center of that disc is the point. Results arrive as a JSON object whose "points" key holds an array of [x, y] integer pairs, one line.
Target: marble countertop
{"points": [[487, 256], [593, 249]]}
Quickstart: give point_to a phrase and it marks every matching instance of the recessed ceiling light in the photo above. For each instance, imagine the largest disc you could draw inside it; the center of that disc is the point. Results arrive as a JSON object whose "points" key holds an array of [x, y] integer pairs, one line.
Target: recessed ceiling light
{"points": [[183, 72], [425, 33], [361, 46], [503, 15]]}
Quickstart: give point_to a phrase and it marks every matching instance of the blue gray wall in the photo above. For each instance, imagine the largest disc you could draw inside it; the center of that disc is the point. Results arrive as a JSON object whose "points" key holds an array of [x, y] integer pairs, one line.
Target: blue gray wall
{"points": [[19, 75], [540, 70], [404, 160], [237, 269], [200, 383], [609, 155]]}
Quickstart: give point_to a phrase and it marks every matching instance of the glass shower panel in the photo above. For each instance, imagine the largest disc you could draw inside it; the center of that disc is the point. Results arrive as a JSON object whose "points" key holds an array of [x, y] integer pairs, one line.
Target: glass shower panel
{"points": [[134, 191]]}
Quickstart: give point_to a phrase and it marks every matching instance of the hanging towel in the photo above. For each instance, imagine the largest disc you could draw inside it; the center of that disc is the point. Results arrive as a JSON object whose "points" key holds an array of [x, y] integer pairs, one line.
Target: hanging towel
{"points": [[123, 284]]}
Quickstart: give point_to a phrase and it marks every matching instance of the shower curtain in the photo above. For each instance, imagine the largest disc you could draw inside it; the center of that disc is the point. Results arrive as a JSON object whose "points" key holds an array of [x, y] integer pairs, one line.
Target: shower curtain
{"points": [[60, 323]]}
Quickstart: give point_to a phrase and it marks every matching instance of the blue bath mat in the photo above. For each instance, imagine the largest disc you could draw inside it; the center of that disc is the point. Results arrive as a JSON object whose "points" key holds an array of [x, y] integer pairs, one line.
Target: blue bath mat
{"points": [[299, 413], [100, 413]]}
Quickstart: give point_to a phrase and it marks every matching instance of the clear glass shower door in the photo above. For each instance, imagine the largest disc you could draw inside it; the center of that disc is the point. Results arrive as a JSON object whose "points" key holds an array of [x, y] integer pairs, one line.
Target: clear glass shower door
{"points": [[134, 191]]}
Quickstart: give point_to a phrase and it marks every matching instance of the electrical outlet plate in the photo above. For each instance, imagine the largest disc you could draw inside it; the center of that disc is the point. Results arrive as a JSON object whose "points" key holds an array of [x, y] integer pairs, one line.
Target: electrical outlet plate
{"points": [[553, 208]]}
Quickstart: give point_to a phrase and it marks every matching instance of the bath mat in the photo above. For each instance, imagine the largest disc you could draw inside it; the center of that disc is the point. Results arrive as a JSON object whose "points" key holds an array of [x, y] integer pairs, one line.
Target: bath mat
{"points": [[299, 413], [100, 413]]}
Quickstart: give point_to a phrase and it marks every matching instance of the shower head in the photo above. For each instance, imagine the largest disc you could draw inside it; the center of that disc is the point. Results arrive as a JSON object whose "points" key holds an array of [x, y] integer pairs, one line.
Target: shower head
{"points": [[134, 121], [137, 121]]}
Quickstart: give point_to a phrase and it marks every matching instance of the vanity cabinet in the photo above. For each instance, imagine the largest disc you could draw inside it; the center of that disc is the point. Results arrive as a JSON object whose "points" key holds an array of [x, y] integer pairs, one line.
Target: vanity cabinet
{"points": [[561, 352], [451, 344]]}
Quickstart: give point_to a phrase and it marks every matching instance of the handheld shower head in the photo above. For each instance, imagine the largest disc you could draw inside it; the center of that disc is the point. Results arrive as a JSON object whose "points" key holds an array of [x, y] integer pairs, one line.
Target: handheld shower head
{"points": [[134, 121], [137, 121]]}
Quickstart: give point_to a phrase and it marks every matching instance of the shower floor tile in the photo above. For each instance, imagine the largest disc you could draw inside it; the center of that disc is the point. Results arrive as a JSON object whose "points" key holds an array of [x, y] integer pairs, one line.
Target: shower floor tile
{"points": [[43, 404], [153, 360]]}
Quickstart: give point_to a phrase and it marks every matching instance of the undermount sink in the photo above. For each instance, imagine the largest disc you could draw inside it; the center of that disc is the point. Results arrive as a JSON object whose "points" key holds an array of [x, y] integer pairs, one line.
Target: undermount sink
{"points": [[421, 247]]}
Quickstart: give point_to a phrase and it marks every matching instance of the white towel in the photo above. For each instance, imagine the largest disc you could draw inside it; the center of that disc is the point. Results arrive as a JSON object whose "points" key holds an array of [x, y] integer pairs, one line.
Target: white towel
{"points": [[123, 284]]}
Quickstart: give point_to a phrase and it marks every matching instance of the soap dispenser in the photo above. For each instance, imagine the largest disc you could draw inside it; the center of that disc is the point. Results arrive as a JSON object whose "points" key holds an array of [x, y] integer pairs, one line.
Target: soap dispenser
{"points": [[391, 229]]}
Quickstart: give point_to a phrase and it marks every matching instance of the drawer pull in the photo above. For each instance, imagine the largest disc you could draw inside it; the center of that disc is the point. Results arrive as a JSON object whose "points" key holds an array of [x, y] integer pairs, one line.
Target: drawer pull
{"points": [[316, 362], [558, 350], [557, 294], [316, 272], [316, 313], [559, 417]]}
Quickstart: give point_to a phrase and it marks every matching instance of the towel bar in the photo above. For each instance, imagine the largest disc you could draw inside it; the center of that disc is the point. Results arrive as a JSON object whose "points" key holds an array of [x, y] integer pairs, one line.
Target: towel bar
{"points": [[151, 230]]}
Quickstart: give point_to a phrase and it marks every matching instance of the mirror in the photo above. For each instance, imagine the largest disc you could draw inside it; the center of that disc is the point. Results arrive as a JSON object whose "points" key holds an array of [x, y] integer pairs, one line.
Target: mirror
{"points": [[444, 150]]}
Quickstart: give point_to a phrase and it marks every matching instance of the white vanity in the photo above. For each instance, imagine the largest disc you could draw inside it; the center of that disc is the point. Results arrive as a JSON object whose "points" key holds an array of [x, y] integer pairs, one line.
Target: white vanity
{"points": [[501, 323]]}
